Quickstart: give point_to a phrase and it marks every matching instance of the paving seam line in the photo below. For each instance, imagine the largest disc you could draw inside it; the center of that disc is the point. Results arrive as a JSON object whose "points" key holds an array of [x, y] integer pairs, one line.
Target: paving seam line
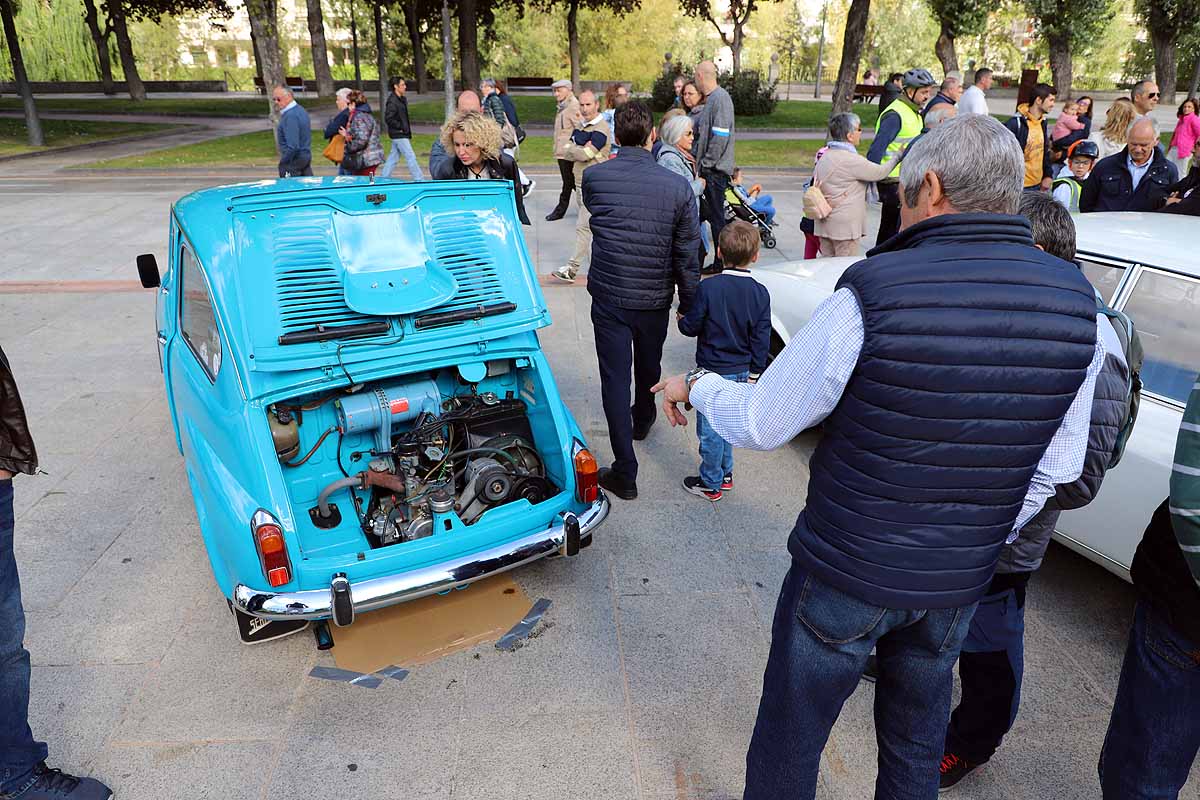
{"points": [[133, 137]]}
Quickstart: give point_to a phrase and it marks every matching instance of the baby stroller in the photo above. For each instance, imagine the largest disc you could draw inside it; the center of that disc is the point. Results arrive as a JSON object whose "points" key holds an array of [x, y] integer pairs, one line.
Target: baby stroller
{"points": [[737, 208]]}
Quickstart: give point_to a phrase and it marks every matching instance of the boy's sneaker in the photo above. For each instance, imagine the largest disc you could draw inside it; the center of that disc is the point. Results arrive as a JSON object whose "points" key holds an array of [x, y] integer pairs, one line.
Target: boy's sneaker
{"points": [[564, 274], [727, 483], [54, 784], [694, 485], [954, 768]]}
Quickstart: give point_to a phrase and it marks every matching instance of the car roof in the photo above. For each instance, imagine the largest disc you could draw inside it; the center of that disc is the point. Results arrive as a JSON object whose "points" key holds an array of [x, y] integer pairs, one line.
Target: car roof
{"points": [[1161, 240]]}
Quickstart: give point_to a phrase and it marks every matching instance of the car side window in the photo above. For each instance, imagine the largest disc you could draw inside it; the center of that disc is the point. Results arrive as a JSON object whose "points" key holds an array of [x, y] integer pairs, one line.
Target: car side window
{"points": [[197, 322], [1166, 310], [1103, 277]]}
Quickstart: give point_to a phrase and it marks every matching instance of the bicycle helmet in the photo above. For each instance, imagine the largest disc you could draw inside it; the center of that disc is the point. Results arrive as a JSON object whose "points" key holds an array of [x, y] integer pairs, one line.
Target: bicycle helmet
{"points": [[1085, 148], [917, 79]]}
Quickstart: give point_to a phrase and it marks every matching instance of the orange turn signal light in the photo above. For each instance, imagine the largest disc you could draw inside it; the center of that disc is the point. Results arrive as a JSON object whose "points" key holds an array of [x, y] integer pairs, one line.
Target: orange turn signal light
{"points": [[587, 476]]}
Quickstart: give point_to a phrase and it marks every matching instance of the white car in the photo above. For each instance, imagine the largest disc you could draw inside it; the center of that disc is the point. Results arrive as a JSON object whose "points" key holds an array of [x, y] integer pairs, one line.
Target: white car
{"points": [[1143, 265]]}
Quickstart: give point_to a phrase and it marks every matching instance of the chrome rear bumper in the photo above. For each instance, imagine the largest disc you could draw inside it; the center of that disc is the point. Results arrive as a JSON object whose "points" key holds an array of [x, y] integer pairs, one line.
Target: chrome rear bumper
{"points": [[562, 537]]}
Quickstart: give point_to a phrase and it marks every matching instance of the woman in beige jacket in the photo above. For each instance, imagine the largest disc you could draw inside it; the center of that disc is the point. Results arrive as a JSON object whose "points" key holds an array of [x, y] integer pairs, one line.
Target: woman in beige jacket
{"points": [[843, 175]]}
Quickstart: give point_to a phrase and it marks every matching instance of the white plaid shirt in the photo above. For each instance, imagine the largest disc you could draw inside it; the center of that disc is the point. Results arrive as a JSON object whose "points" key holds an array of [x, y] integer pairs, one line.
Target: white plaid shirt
{"points": [[806, 381]]}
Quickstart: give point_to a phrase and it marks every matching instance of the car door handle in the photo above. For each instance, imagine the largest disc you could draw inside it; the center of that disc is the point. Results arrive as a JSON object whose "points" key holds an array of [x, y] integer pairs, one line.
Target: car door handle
{"points": [[162, 338]]}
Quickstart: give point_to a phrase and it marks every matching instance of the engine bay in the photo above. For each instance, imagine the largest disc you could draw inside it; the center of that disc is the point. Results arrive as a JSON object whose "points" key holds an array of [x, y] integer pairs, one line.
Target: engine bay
{"points": [[412, 453]]}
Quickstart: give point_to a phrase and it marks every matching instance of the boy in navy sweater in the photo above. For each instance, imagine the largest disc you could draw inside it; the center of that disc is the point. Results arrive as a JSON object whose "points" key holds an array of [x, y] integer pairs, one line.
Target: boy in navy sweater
{"points": [[731, 320]]}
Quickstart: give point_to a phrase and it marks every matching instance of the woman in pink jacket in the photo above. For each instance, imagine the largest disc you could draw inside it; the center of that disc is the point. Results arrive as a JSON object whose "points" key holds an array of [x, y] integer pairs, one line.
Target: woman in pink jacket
{"points": [[1187, 133]]}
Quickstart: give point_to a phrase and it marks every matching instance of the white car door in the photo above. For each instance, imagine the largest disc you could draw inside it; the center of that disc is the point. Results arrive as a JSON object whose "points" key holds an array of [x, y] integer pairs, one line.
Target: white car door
{"points": [[1165, 307]]}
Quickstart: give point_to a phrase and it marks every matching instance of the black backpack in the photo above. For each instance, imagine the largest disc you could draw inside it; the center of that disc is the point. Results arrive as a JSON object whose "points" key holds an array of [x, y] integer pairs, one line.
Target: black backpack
{"points": [[1131, 343]]}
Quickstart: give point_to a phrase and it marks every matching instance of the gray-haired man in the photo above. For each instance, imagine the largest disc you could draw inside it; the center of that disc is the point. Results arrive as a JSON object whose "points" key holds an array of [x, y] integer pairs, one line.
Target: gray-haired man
{"points": [[952, 407]]}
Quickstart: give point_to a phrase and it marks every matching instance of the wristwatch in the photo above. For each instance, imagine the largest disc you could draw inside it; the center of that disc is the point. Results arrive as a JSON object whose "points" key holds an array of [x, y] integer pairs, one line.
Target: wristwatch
{"points": [[693, 375]]}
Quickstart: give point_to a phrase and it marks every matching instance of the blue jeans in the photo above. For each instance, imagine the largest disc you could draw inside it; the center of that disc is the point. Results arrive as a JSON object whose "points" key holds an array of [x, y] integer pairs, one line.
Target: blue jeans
{"points": [[716, 454], [820, 641], [1154, 731], [19, 753], [764, 205], [402, 147]]}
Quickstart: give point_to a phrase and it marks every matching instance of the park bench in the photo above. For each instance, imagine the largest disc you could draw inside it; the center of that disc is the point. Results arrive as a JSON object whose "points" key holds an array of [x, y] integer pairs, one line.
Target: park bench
{"points": [[294, 82], [527, 84], [863, 92]]}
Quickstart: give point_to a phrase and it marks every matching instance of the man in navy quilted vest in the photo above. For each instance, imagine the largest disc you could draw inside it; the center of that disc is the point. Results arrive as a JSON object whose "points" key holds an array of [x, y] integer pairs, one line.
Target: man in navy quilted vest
{"points": [[954, 370]]}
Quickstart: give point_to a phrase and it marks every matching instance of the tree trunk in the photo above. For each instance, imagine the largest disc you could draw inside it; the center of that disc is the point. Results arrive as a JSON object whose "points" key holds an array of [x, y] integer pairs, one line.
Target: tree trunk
{"points": [[264, 23], [447, 61], [1062, 67], [1195, 84], [468, 42], [33, 125], [354, 47], [1162, 39], [100, 39], [852, 42], [739, 38], [320, 54], [573, 41], [380, 57], [944, 49], [418, 43], [257, 59], [116, 17]]}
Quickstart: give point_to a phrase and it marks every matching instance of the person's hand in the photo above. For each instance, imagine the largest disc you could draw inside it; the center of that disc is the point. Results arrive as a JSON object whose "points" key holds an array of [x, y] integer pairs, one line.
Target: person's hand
{"points": [[1047, 183], [344, 133], [675, 391], [679, 314], [1173, 199], [703, 183]]}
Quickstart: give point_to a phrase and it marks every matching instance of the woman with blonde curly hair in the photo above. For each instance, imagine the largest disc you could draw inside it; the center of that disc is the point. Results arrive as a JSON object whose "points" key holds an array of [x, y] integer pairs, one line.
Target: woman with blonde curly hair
{"points": [[475, 141], [1111, 138]]}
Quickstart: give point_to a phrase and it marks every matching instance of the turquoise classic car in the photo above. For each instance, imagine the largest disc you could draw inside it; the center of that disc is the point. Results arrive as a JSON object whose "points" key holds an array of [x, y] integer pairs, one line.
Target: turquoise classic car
{"points": [[356, 384]]}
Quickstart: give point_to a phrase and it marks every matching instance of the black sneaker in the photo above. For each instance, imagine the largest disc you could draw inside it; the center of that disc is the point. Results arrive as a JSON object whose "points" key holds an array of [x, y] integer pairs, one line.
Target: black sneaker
{"points": [[640, 432], [954, 768], [54, 784], [694, 485], [613, 483], [556, 214], [871, 670], [727, 483]]}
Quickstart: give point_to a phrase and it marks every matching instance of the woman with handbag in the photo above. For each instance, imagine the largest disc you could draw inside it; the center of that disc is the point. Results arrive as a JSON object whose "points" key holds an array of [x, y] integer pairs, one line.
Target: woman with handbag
{"points": [[837, 199], [498, 104], [364, 151], [475, 142]]}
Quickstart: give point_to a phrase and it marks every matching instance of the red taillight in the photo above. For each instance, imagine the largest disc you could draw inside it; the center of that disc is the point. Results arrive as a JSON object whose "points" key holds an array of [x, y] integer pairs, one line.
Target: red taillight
{"points": [[587, 476], [272, 550]]}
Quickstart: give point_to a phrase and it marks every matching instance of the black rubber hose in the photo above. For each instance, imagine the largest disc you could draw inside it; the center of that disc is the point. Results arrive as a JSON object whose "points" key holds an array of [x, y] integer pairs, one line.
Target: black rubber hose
{"points": [[478, 450]]}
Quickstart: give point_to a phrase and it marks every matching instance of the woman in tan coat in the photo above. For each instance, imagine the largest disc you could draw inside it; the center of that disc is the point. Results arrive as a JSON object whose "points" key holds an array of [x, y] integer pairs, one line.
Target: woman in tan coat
{"points": [[843, 175]]}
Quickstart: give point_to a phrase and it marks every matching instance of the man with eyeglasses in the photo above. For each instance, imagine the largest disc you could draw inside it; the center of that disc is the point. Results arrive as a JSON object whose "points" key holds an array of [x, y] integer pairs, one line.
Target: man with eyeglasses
{"points": [[1138, 178], [1145, 97], [294, 135]]}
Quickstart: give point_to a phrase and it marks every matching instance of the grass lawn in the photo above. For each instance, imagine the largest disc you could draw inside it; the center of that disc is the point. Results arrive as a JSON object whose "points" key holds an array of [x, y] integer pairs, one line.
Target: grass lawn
{"points": [[787, 114], [200, 107], [63, 132], [258, 150]]}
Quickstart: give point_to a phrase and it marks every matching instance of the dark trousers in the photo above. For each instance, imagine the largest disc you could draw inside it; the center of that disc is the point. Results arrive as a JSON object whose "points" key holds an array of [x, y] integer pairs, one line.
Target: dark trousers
{"points": [[300, 166], [628, 340], [712, 207], [889, 215], [991, 666], [820, 640], [1154, 733], [566, 170], [19, 752]]}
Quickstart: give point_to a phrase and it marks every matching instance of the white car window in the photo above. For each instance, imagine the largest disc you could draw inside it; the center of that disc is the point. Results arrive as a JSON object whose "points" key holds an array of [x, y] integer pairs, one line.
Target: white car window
{"points": [[1103, 277], [1166, 310], [196, 320]]}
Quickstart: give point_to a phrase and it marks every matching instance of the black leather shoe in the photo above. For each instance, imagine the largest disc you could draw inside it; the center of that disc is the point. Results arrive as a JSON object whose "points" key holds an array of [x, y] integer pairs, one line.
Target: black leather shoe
{"points": [[614, 484], [557, 213], [641, 431]]}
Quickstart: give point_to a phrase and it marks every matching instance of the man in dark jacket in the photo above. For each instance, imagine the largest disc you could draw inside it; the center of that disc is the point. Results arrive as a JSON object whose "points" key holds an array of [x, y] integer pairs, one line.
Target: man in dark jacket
{"points": [[993, 656], [23, 771], [1139, 178], [395, 116], [645, 236], [1030, 127], [913, 492]]}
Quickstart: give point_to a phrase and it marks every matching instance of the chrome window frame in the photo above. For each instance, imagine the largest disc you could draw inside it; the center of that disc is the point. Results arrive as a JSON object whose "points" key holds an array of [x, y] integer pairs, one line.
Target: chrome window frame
{"points": [[1121, 299]]}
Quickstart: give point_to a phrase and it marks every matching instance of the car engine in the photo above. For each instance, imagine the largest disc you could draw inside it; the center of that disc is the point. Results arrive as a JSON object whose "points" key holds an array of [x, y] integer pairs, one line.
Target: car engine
{"points": [[459, 456]]}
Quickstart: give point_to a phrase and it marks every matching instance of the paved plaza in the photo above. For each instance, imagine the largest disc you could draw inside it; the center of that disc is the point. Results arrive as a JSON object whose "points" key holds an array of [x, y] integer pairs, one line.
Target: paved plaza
{"points": [[643, 682]]}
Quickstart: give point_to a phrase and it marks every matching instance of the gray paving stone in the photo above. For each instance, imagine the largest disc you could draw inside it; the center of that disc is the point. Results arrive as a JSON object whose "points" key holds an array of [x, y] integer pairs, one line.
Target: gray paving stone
{"points": [[694, 750], [76, 708], [209, 686], [204, 771]]}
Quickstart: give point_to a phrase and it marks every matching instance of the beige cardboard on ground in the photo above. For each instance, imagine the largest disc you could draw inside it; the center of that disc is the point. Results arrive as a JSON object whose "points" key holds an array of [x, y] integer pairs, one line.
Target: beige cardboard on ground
{"points": [[416, 633]]}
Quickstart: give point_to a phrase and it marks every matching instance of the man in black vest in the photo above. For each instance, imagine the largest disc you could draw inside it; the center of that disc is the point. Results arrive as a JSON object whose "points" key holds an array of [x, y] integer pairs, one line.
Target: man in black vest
{"points": [[954, 370]]}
